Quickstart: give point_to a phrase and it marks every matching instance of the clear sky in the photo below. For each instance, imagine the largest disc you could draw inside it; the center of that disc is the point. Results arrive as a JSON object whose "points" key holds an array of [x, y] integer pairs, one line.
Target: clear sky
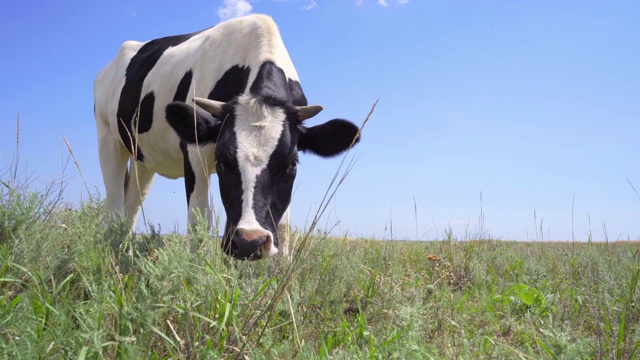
{"points": [[530, 103]]}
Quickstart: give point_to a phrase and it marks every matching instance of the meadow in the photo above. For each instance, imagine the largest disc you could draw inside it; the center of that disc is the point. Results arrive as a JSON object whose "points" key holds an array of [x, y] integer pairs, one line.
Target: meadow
{"points": [[75, 285]]}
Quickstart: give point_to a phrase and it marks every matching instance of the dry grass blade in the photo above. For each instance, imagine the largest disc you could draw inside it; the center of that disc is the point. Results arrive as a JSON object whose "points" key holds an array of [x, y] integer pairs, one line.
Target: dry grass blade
{"points": [[175, 334], [17, 155], [634, 189], [75, 161], [293, 318], [324, 203], [364, 123], [134, 165]]}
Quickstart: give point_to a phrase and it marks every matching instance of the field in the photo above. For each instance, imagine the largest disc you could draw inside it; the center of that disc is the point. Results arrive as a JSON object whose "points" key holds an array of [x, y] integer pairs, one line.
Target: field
{"points": [[73, 287]]}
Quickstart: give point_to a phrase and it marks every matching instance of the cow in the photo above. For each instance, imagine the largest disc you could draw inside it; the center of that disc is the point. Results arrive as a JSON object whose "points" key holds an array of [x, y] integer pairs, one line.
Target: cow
{"points": [[223, 100]]}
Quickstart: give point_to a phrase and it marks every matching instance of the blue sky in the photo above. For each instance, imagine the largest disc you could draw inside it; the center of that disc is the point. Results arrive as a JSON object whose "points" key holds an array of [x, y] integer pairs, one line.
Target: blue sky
{"points": [[531, 104]]}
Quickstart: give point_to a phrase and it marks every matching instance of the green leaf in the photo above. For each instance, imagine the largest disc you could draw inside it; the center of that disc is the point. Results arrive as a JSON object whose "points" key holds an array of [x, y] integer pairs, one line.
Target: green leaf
{"points": [[621, 336], [262, 288], [546, 349], [529, 296], [83, 353]]}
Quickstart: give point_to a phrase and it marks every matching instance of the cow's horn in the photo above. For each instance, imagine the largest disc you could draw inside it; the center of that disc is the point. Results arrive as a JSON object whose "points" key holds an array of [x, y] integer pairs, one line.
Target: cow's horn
{"points": [[212, 106], [307, 112]]}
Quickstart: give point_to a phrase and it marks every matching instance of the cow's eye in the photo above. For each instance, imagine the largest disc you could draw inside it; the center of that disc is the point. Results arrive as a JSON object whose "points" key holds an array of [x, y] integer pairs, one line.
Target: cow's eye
{"points": [[293, 165], [220, 166]]}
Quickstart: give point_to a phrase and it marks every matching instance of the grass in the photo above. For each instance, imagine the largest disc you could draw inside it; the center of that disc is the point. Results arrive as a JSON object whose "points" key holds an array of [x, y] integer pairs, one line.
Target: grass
{"points": [[72, 286]]}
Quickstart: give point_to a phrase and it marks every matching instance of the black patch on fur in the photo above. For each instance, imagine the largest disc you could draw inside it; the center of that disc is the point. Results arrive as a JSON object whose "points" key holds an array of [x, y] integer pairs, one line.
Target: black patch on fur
{"points": [[228, 170], [271, 82], [297, 96], [274, 184], [229, 181], [137, 70], [180, 116], [183, 87], [231, 84], [145, 119], [189, 174]]}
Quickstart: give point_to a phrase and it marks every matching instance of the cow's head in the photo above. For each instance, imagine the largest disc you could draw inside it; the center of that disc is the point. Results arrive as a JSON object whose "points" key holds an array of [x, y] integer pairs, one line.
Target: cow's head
{"points": [[257, 142]]}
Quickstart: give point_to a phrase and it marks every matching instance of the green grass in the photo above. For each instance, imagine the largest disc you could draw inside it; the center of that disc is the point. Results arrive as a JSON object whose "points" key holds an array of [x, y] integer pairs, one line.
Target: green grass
{"points": [[72, 287]]}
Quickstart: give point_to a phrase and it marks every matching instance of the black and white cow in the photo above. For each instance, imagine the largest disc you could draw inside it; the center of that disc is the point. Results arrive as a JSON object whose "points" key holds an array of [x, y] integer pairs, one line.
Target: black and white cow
{"points": [[248, 127]]}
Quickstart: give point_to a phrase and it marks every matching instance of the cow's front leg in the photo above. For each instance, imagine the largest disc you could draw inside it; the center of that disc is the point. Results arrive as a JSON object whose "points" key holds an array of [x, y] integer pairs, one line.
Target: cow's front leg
{"points": [[197, 176]]}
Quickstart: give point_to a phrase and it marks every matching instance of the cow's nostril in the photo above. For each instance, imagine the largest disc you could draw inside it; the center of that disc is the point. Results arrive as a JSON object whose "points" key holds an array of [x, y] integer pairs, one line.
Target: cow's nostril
{"points": [[252, 243], [253, 234], [245, 249]]}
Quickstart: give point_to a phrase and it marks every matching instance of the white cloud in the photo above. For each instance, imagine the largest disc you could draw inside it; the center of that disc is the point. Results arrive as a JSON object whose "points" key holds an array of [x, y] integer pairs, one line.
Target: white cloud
{"points": [[132, 11], [234, 8], [313, 5], [402, 2], [359, 2], [383, 2]]}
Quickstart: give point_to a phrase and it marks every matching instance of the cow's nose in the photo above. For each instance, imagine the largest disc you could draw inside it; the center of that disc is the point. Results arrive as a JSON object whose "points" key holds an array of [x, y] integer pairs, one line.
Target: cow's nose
{"points": [[248, 244], [258, 235], [254, 243]]}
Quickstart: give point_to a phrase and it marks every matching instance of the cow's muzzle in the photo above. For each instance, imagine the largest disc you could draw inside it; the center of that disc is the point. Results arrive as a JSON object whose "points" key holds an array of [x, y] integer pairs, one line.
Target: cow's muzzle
{"points": [[251, 244]]}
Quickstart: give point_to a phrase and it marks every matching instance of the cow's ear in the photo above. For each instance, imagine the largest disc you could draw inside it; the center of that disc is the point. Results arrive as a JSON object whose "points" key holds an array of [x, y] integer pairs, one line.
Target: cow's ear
{"points": [[328, 139], [192, 124]]}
